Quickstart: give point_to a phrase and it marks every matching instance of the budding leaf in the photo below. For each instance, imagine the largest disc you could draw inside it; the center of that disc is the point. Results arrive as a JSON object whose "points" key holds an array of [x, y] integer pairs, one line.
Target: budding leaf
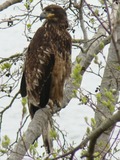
{"points": [[5, 141], [101, 45]]}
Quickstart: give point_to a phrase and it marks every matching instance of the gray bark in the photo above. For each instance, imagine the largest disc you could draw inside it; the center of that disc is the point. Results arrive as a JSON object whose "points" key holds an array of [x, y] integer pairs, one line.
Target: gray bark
{"points": [[110, 82], [35, 129], [8, 3]]}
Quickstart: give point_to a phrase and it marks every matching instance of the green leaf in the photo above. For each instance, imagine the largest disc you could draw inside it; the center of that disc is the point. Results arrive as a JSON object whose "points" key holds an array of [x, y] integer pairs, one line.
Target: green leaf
{"points": [[5, 141], [53, 134], [76, 75], [93, 122], [24, 110], [36, 144], [101, 1], [118, 68], [101, 45], [109, 105], [88, 130], [105, 103], [24, 101], [96, 12], [29, 26], [38, 158], [27, 6], [32, 150], [75, 93], [3, 151], [84, 152], [98, 96], [84, 100], [109, 95], [112, 108], [5, 66], [96, 59], [97, 156], [78, 60], [86, 119], [92, 20]]}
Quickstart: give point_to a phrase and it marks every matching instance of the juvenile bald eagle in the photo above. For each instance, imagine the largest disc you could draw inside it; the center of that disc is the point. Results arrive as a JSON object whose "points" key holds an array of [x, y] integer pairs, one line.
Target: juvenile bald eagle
{"points": [[47, 63]]}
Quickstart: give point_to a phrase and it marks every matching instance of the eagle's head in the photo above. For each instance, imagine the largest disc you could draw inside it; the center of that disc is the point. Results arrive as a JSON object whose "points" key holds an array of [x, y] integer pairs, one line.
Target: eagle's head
{"points": [[54, 13]]}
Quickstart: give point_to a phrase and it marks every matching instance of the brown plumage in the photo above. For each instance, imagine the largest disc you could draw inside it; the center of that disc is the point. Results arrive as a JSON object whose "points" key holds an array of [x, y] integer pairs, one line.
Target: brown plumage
{"points": [[48, 61]]}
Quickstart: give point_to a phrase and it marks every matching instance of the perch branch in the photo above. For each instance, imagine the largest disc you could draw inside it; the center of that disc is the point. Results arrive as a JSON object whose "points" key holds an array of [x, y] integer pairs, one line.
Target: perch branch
{"points": [[34, 130]]}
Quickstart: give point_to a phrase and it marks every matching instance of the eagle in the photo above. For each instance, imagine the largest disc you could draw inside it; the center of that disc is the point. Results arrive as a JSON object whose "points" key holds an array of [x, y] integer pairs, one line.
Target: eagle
{"points": [[48, 61]]}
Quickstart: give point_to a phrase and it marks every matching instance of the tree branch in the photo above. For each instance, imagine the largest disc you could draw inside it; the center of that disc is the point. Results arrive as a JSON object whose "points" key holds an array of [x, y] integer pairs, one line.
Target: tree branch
{"points": [[8, 3], [11, 57], [35, 129], [84, 30], [110, 82]]}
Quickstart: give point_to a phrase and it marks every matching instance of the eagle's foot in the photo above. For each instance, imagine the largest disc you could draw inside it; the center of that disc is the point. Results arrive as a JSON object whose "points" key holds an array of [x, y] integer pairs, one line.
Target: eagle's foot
{"points": [[58, 104], [51, 104]]}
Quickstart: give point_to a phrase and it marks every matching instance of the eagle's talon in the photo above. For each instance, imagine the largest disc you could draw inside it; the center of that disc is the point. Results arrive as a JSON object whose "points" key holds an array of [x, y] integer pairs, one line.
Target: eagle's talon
{"points": [[51, 104], [58, 104]]}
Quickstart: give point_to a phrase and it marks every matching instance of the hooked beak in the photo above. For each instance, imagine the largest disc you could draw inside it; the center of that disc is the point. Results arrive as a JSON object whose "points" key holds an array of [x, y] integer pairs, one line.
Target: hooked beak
{"points": [[43, 15], [46, 15]]}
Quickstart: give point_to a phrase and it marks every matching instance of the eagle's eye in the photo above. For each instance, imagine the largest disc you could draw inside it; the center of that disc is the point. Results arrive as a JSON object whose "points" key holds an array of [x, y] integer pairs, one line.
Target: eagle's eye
{"points": [[50, 10]]}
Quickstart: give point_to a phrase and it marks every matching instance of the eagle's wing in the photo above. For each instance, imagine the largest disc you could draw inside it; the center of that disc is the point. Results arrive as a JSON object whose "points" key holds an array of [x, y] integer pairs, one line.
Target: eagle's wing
{"points": [[36, 78], [23, 91], [37, 73]]}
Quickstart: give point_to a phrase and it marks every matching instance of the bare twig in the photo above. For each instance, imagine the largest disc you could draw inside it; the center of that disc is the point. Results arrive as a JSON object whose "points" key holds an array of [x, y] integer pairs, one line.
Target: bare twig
{"points": [[12, 101], [108, 14], [97, 18]]}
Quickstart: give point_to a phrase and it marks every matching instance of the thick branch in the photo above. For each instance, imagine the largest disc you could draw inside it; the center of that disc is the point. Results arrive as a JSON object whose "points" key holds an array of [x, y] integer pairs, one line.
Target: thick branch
{"points": [[94, 48], [110, 82], [8, 3], [35, 129], [80, 41]]}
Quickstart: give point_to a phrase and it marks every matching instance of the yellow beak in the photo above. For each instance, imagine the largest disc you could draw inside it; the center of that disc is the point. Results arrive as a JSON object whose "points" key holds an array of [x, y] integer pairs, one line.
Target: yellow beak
{"points": [[46, 15]]}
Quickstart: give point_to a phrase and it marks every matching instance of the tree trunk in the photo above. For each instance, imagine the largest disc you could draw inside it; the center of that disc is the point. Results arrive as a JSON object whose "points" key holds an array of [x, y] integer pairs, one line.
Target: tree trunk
{"points": [[110, 83]]}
